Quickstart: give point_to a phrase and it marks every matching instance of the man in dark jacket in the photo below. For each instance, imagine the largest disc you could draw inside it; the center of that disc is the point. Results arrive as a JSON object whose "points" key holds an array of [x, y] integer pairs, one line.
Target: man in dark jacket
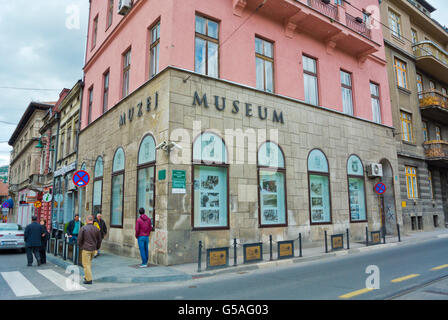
{"points": [[101, 225], [33, 241], [73, 229], [89, 240], [143, 228]]}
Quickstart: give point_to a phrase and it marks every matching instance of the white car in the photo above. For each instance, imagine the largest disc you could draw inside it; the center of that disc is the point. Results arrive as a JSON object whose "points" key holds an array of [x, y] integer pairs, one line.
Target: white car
{"points": [[12, 236]]}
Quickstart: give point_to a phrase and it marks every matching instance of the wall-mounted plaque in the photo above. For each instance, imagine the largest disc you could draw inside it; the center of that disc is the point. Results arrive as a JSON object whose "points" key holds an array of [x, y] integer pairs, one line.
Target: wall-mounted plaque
{"points": [[285, 249], [217, 258], [337, 242], [253, 252], [376, 237]]}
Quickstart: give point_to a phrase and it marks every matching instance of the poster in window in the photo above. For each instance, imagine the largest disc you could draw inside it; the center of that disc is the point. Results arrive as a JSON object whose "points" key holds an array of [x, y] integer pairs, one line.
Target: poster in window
{"points": [[272, 197], [357, 199], [319, 199]]}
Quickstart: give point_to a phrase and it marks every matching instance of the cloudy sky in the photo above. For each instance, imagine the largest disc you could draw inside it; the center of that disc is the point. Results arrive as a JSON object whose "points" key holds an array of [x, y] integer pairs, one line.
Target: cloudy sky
{"points": [[43, 45]]}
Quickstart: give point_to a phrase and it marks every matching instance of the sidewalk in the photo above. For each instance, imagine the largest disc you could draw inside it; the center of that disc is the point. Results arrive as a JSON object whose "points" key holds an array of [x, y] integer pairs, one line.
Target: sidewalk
{"points": [[112, 268]]}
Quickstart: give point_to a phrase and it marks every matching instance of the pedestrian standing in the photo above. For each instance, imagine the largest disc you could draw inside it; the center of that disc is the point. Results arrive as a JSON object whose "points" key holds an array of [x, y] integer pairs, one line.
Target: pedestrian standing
{"points": [[45, 237], [89, 240], [73, 229], [101, 225], [143, 228], [33, 241]]}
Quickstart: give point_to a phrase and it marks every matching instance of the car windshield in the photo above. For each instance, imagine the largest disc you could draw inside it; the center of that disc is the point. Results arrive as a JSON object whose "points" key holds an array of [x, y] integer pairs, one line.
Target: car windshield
{"points": [[9, 226]]}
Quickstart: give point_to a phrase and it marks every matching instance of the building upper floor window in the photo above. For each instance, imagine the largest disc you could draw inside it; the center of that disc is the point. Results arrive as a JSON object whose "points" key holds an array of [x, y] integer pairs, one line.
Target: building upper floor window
{"points": [[419, 84], [411, 182], [406, 127], [425, 131], [95, 31], [395, 23], [155, 50], [126, 72], [414, 37], [438, 133], [110, 13], [89, 118], [264, 57], [401, 73], [375, 98], [347, 93], [207, 47], [106, 90], [310, 80]]}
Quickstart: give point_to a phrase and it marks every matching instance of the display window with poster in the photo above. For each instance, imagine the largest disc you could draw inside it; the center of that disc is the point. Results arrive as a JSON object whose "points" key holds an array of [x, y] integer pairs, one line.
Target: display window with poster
{"points": [[210, 183], [97, 186], [117, 189], [319, 188], [146, 167], [356, 189]]}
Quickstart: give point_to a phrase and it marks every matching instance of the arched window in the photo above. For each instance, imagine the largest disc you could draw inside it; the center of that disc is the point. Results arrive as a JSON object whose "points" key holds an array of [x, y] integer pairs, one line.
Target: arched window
{"points": [[82, 195], [210, 186], [97, 194], [272, 189], [356, 189], [117, 201], [319, 187], [145, 176]]}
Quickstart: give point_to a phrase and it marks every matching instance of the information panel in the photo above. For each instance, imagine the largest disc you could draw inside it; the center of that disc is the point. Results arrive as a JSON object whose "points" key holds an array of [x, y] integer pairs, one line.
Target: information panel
{"points": [[217, 258], [285, 249], [253, 252], [337, 242], [376, 237]]}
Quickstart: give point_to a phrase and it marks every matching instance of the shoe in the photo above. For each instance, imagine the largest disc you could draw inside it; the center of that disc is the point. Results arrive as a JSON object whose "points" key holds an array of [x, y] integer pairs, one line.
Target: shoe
{"points": [[38, 263], [143, 266], [29, 265], [87, 282]]}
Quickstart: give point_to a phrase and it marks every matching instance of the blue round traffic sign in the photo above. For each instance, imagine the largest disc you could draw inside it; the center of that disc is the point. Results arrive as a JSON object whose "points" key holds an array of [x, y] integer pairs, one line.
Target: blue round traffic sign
{"points": [[380, 188], [81, 178], [5, 205]]}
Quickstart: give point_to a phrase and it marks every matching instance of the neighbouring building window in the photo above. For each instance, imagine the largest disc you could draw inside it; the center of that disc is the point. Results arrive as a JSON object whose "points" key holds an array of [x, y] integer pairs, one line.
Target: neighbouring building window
{"points": [[106, 90], [61, 153], [126, 72], [69, 140], [319, 187], [95, 31], [347, 97], [110, 13], [155, 50], [431, 186], [411, 182], [146, 170], [90, 105], [272, 189], [210, 175], [432, 87], [419, 85], [444, 93], [438, 133], [97, 187], [264, 58], [118, 170], [414, 37], [356, 189], [310, 80], [375, 98], [406, 127], [207, 47], [401, 73], [425, 131], [395, 23]]}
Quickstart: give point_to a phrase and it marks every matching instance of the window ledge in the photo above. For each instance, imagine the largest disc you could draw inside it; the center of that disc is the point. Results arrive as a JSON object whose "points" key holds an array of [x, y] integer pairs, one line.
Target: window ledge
{"points": [[397, 38], [404, 90], [408, 143]]}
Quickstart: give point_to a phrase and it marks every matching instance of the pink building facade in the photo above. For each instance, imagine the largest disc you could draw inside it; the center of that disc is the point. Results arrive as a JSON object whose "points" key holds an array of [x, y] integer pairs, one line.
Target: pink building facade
{"points": [[311, 74]]}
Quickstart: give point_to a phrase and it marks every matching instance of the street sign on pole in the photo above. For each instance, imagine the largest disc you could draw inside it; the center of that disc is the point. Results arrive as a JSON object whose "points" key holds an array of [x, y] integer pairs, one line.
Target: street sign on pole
{"points": [[380, 188], [81, 178], [47, 197]]}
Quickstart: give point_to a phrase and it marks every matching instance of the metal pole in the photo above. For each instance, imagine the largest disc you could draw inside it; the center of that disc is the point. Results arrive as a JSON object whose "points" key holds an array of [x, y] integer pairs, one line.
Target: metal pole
{"points": [[367, 236], [55, 253], [384, 237], [348, 239], [270, 247], [199, 256], [64, 250], [234, 253], [326, 245], [300, 245], [398, 229], [75, 254]]}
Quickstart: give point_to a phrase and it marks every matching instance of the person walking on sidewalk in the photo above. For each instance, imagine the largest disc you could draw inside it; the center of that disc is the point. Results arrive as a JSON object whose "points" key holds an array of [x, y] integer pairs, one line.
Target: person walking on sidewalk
{"points": [[101, 225], [33, 241], [45, 237], [143, 228], [73, 229], [89, 240]]}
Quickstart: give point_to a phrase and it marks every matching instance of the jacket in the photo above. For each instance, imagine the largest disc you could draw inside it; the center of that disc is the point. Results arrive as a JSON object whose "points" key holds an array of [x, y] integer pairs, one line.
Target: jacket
{"points": [[143, 226], [46, 236], [89, 238], [103, 227], [33, 235], [71, 226]]}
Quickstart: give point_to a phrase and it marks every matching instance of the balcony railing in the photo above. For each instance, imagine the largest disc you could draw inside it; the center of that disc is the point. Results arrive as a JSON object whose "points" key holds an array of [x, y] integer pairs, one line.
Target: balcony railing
{"points": [[433, 98], [428, 48], [327, 9], [358, 26], [436, 150]]}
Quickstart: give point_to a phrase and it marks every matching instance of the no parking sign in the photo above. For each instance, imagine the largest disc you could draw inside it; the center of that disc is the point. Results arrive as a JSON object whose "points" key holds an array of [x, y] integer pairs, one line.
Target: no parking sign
{"points": [[380, 188], [81, 178]]}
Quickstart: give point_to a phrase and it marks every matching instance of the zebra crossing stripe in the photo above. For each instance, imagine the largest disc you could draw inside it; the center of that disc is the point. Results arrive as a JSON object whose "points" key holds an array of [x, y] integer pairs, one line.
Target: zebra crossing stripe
{"points": [[19, 284], [62, 282]]}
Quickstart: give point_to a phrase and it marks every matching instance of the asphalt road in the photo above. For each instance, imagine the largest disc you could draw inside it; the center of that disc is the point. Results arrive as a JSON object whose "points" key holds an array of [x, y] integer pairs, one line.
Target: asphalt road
{"points": [[403, 272]]}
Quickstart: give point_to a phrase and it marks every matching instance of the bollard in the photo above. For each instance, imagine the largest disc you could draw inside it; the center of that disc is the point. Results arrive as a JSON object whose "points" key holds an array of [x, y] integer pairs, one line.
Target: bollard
{"points": [[55, 253], [326, 245], [75, 254], [367, 236], [199, 256], [64, 250], [384, 237], [234, 253], [270, 247], [348, 239], [398, 229], [48, 245], [300, 245]]}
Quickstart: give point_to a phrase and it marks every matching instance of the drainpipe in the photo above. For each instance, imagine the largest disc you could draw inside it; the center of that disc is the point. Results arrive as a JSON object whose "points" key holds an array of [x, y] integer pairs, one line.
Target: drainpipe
{"points": [[57, 117]]}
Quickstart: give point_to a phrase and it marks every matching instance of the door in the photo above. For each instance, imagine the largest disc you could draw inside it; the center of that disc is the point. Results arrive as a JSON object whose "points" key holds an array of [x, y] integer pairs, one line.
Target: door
{"points": [[389, 217]]}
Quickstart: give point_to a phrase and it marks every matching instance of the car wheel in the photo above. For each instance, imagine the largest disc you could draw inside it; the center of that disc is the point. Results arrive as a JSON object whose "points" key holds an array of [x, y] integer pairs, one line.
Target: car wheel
{"points": [[22, 250]]}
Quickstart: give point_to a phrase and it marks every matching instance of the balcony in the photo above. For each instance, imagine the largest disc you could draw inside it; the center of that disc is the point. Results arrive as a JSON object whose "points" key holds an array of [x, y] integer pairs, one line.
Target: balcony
{"points": [[436, 152], [432, 58], [319, 19], [434, 106]]}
